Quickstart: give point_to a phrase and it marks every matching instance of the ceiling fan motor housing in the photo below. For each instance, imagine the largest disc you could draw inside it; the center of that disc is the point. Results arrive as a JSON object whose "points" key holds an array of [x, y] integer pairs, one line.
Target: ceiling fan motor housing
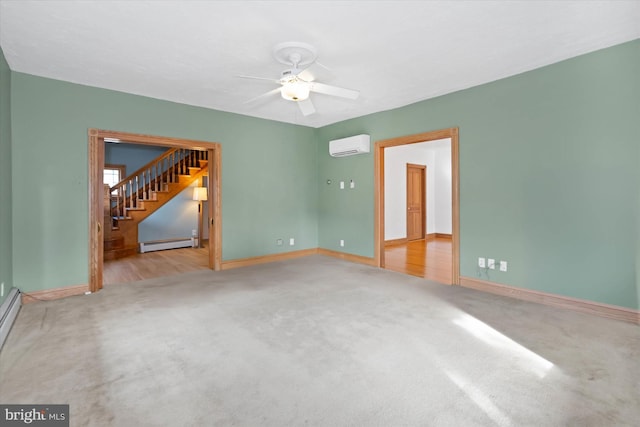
{"points": [[290, 76]]}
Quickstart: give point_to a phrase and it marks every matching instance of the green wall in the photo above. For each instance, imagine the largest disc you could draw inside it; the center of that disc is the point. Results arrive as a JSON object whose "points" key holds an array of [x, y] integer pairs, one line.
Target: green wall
{"points": [[6, 269], [549, 175], [549, 165], [269, 174]]}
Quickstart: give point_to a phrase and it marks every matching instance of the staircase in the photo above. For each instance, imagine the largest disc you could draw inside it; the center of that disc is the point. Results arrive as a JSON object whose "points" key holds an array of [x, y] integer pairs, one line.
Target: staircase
{"points": [[143, 192]]}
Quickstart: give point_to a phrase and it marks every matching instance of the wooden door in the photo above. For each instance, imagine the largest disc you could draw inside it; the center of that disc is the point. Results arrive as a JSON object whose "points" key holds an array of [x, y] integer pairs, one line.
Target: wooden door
{"points": [[416, 206]]}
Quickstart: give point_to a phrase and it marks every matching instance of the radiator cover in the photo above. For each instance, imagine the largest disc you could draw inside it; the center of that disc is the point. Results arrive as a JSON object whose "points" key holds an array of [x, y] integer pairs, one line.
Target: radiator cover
{"points": [[160, 245], [8, 312]]}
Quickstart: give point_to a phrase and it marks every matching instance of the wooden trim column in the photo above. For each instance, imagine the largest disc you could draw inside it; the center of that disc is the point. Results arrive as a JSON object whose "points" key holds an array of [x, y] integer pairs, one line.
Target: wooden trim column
{"points": [[378, 215], [214, 201], [96, 210]]}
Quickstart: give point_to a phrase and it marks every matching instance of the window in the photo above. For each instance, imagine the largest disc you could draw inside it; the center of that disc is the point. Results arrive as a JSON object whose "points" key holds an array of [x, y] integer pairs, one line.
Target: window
{"points": [[113, 174]]}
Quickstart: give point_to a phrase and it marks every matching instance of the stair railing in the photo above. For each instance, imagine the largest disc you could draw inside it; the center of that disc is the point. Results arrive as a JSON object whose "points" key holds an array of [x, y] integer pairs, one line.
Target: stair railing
{"points": [[152, 178]]}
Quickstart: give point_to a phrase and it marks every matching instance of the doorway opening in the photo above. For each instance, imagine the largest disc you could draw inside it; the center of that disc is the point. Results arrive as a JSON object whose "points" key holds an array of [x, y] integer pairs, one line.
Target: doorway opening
{"points": [[441, 248], [96, 194]]}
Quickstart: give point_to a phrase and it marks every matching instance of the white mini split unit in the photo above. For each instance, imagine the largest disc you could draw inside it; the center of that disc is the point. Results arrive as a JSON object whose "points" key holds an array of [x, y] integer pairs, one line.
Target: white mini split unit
{"points": [[349, 146]]}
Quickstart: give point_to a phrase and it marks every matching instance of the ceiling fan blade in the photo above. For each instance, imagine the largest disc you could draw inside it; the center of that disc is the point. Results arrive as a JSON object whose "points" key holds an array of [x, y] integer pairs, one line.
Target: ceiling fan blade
{"points": [[315, 71], [306, 107], [334, 90], [263, 96], [258, 78], [306, 75]]}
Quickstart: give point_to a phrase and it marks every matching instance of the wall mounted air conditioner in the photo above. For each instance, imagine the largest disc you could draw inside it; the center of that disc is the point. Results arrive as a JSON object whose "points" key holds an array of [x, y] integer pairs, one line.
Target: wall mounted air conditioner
{"points": [[349, 146]]}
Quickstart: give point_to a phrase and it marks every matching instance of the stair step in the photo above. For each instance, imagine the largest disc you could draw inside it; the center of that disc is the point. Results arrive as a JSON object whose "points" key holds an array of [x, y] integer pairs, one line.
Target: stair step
{"points": [[114, 243], [120, 253]]}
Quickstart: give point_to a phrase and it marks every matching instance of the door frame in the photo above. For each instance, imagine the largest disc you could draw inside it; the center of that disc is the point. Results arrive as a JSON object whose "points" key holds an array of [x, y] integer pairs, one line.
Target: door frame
{"points": [[423, 198], [380, 146], [96, 201]]}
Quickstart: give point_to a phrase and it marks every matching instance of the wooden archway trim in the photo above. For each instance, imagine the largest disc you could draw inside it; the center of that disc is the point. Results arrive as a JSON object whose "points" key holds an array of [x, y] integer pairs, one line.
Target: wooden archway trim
{"points": [[451, 133], [96, 205]]}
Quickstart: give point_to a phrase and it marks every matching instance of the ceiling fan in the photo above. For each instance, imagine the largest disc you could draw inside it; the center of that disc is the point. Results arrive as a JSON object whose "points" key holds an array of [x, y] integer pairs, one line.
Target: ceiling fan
{"points": [[296, 83]]}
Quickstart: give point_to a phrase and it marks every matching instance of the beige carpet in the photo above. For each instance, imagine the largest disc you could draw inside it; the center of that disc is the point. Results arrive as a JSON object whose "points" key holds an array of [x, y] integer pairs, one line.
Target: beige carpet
{"points": [[319, 342]]}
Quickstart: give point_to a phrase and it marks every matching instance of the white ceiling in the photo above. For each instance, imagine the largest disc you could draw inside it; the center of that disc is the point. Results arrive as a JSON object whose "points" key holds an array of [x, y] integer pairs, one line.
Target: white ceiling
{"points": [[394, 52]]}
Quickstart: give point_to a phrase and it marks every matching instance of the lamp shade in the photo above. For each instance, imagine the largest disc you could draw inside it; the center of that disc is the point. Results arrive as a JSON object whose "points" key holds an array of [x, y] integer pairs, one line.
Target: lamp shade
{"points": [[295, 90], [200, 193]]}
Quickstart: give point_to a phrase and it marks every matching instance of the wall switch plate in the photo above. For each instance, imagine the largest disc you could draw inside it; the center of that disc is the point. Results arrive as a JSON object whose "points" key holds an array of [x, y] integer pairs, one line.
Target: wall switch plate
{"points": [[2, 289], [342, 243], [279, 242], [292, 241], [342, 185], [503, 265], [491, 263], [352, 184], [481, 262]]}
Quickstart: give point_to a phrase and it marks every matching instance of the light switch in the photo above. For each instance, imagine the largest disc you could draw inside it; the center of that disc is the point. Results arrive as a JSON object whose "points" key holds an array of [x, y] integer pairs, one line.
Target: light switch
{"points": [[352, 184], [342, 185]]}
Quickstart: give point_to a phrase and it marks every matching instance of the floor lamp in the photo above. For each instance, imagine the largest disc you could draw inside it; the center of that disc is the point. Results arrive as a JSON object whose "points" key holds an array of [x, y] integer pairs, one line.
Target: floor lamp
{"points": [[200, 195]]}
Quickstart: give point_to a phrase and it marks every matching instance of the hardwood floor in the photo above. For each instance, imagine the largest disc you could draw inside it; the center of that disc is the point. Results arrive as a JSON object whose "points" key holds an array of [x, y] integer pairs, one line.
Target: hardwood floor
{"points": [[430, 259], [155, 264]]}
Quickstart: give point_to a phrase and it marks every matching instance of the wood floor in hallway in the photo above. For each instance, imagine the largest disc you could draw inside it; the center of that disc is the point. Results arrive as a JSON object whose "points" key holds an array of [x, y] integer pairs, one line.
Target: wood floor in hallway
{"points": [[430, 259], [155, 264]]}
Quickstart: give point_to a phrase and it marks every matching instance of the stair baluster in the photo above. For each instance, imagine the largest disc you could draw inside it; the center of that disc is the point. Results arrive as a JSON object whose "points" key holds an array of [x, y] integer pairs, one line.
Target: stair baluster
{"points": [[137, 195], [148, 173], [172, 163], [130, 196], [118, 197], [155, 167]]}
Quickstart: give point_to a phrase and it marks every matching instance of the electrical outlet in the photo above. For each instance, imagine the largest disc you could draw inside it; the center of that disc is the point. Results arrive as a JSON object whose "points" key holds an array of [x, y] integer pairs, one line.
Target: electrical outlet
{"points": [[342, 243], [292, 241], [491, 263], [481, 262], [194, 233], [279, 242], [503, 265]]}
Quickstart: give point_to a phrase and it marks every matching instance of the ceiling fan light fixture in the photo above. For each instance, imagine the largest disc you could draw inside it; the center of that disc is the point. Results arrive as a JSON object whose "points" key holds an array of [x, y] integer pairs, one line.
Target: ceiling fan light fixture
{"points": [[295, 90]]}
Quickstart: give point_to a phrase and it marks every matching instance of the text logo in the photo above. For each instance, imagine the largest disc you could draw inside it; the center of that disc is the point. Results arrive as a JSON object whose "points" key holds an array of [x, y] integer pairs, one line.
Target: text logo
{"points": [[34, 415]]}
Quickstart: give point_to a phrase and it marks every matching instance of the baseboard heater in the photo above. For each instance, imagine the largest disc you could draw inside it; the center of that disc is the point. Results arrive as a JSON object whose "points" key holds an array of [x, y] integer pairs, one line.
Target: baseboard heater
{"points": [[160, 245], [8, 312]]}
